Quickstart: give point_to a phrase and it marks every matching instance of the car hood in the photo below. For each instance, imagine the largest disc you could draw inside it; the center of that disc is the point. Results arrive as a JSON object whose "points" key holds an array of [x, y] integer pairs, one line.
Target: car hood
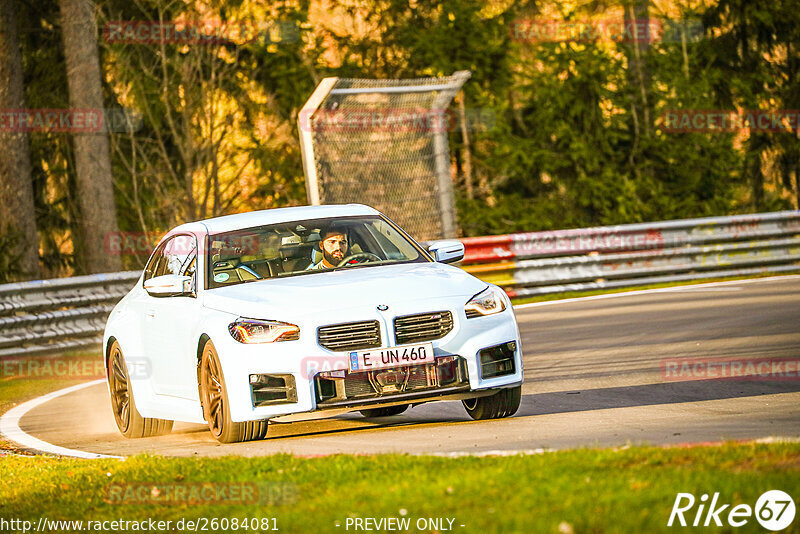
{"points": [[347, 288]]}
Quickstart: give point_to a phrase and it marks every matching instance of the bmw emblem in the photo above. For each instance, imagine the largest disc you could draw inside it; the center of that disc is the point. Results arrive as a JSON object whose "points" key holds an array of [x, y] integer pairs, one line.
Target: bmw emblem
{"points": [[382, 307]]}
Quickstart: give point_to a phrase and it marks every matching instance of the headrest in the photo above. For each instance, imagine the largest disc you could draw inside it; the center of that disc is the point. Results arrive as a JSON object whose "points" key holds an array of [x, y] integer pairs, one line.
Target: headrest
{"points": [[232, 255]]}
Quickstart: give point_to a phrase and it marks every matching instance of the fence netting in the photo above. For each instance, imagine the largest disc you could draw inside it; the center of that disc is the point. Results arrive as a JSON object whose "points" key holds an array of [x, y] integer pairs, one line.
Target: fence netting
{"points": [[384, 143]]}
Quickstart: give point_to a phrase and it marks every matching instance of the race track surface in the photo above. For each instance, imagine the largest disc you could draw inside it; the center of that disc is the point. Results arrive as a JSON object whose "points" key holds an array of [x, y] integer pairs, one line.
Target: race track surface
{"points": [[593, 377]]}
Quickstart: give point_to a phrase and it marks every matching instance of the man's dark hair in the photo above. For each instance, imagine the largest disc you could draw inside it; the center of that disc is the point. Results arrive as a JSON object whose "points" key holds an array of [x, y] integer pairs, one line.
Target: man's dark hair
{"points": [[334, 228]]}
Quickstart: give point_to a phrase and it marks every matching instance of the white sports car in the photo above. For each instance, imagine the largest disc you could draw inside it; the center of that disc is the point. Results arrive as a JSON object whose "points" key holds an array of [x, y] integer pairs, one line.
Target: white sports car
{"points": [[301, 313]]}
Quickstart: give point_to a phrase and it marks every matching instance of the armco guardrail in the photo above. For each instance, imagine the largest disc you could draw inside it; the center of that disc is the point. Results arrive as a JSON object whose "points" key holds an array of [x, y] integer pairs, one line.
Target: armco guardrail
{"points": [[51, 316], [539, 263]]}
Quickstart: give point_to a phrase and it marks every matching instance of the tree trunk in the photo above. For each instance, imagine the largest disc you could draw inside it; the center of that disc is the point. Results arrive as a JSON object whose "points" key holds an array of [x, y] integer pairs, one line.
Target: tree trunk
{"points": [[467, 154], [637, 18], [756, 173], [797, 187], [637, 31], [92, 156], [16, 187]]}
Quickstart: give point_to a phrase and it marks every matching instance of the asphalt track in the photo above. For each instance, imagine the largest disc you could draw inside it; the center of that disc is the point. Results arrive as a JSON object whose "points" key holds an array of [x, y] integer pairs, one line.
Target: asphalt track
{"points": [[593, 377]]}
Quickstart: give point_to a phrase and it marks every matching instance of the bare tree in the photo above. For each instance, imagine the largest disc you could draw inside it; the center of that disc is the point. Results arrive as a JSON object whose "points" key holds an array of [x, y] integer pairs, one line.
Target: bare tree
{"points": [[191, 156], [92, 158], [16, 188]]}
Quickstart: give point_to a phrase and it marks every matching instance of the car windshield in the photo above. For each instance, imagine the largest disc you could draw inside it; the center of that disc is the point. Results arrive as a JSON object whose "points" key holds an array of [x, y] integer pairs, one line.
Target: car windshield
{"points": [[306, 247]]}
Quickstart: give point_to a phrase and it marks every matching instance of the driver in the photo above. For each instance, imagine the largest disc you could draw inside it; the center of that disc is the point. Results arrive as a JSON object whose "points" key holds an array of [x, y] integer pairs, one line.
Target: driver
{"points": [[334, 246]]}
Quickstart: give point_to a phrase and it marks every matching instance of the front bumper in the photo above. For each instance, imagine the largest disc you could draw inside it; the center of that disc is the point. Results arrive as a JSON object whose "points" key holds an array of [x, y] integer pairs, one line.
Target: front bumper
{"points": [[316, 382], [343, 388]]}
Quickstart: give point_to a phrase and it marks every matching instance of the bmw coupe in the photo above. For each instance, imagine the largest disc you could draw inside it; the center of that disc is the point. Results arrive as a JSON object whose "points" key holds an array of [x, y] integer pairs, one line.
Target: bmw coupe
{"points": [[301, 313]]}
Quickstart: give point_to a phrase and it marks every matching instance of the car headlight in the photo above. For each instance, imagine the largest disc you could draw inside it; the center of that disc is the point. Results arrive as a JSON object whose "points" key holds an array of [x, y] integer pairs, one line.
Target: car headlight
{"points": [[257, 331], [487, 302]]}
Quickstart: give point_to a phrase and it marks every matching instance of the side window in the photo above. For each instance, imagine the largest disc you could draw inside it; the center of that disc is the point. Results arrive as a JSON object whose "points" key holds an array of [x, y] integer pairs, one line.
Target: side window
{"points": [[191, 265], [394, 245], [156, 265], [176, 256]]}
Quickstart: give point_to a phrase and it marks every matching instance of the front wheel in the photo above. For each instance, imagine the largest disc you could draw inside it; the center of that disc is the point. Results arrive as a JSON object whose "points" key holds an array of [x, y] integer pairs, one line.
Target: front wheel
{"points": [[129, 421], [384, 412], [216, 409], [504, 403]]}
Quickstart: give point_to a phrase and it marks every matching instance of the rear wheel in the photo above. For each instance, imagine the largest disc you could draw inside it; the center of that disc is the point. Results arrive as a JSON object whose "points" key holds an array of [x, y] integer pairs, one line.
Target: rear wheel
{"points": [[504, 403], [129, 421], [384, 412], [216, 409]]}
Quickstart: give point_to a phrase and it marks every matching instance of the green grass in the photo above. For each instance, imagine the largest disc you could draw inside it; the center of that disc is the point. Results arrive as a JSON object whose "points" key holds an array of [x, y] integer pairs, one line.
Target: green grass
{"points": [[577, 294], [610, 490]]}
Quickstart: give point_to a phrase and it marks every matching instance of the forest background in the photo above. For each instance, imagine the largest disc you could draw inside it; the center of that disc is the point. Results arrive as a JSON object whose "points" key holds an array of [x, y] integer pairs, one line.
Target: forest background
{"points": [[576, 138]]}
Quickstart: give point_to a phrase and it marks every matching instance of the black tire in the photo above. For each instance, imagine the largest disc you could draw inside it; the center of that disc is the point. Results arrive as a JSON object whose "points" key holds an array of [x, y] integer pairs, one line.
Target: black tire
{"points": [[504, 403], [129, 421], [216, 410], [384, 412]]}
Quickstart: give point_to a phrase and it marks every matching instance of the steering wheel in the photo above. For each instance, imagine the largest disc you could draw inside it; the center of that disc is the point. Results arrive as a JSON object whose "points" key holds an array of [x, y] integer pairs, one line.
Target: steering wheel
{"points": [[367, 256]]}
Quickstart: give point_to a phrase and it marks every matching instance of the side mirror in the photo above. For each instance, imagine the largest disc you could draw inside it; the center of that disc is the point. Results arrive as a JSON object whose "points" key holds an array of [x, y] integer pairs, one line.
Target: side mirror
{"points": [[169, 285], [449, 251]]}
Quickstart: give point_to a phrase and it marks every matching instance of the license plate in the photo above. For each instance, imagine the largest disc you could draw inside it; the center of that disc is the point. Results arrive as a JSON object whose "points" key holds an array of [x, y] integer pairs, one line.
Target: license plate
{"points": [[367, 360]]}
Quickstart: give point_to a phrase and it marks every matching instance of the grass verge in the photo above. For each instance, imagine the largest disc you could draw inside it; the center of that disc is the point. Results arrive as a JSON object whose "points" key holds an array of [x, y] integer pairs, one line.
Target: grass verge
{"points": [[608, 490]]}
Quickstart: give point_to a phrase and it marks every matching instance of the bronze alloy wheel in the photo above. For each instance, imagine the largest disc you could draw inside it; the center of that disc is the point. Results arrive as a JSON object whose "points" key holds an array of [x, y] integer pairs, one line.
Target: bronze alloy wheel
{"points": [[118, 387], [212, 392], [129, 421], [214, 398]]}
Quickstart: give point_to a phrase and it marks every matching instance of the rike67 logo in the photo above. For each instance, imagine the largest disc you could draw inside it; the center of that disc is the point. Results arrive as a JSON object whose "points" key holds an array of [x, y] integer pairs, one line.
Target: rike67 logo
{"points": [[774, 510]]}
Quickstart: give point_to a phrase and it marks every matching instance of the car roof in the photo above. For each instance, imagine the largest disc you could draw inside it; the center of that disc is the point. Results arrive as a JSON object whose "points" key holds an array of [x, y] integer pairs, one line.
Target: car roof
{"points": [[251, 219]]}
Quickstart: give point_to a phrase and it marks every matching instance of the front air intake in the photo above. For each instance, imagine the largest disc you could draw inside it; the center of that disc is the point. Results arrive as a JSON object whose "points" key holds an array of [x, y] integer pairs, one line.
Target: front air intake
{"points": [[350, 336], [498, 360], [422, 327]]}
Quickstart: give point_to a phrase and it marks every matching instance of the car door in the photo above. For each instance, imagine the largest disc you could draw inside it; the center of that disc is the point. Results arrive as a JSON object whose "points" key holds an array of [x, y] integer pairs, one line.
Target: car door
{"points": [[171, 322]]}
